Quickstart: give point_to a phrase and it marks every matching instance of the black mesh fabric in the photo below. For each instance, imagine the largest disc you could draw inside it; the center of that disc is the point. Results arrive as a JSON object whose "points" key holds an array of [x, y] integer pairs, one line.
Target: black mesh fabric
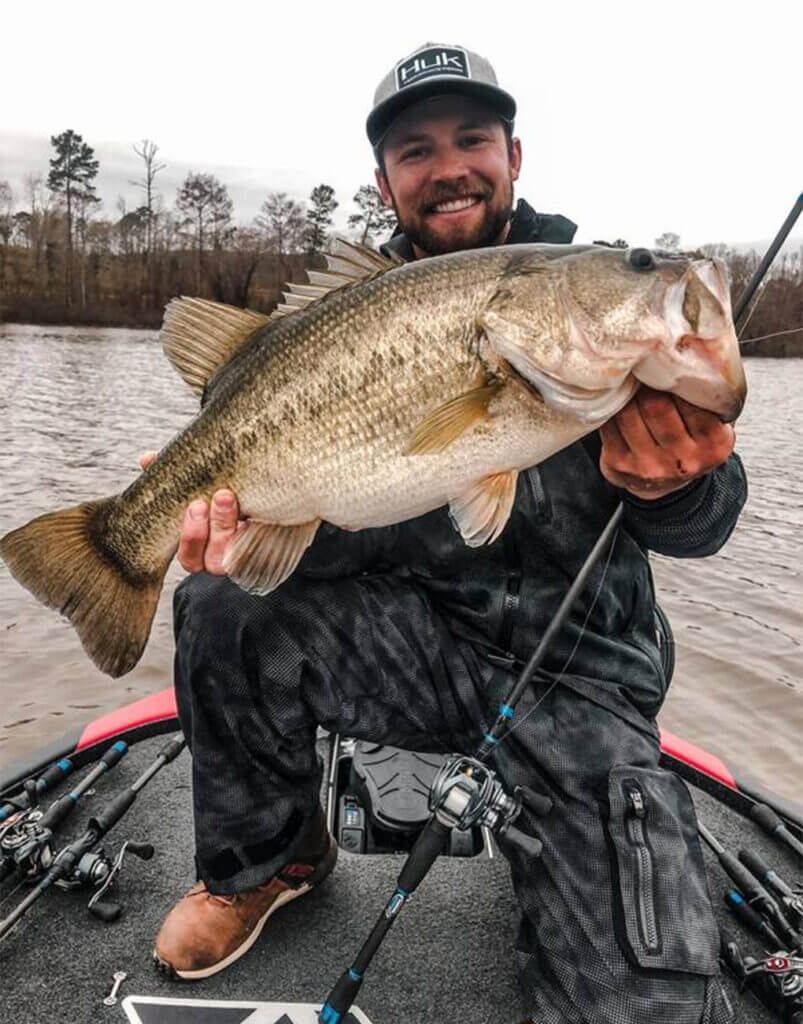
{"points": [[404, 635], [375, 658]]}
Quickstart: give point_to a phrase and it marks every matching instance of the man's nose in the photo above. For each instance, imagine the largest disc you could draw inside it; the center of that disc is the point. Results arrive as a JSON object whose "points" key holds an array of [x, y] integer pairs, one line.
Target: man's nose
{"points": [[449, 164]]}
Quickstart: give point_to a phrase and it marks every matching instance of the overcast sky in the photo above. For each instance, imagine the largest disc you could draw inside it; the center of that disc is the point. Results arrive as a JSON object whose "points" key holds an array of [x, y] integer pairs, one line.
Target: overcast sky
{"points": [[635, 118]]}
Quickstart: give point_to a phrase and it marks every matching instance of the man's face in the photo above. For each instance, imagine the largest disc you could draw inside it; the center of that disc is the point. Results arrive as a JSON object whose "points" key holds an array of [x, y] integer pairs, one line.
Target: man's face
{"points": [[449, 175]]}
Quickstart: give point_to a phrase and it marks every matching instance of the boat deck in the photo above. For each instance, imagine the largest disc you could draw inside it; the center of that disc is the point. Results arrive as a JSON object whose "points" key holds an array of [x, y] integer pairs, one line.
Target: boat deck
{"points": [[447, 960]]}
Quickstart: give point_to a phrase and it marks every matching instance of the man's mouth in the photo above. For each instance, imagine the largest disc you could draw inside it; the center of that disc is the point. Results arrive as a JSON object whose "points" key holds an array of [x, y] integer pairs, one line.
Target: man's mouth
{"points": [[455, 205]]}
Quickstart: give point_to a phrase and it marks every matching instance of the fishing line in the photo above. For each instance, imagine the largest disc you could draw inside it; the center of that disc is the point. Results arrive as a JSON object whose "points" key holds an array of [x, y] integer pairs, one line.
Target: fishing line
{"points": [[752, 310], [15, 890], [775, 334], [568, 661]]}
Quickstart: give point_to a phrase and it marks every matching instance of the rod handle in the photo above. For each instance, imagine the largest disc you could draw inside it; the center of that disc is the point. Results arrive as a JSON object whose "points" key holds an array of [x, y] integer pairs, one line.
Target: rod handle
{"points": [[428, 847], [172, 749], [341, 998], [112, 812]]}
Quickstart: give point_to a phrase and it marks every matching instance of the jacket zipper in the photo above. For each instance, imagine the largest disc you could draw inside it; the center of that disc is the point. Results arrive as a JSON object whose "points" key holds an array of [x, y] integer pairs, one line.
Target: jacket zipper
{"points": [[645, 872], [510, 606]]}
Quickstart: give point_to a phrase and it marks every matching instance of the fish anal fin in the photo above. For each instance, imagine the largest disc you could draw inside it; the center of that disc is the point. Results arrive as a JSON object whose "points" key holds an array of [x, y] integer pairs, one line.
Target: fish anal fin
{"points": [[199, 336], [452, 419], [481, 512], [263, 555]]}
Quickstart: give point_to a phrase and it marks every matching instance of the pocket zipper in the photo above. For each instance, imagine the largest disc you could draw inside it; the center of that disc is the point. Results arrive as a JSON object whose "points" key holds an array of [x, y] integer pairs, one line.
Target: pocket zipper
{"points": [[637, 835]]}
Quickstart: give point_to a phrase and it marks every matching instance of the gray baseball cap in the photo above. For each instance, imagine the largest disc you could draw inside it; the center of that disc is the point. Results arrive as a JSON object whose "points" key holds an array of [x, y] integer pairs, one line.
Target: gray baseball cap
{"points": [[432, 70]]}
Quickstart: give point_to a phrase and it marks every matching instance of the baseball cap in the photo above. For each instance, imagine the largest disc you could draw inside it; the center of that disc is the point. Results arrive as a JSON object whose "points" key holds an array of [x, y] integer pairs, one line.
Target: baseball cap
{"points": [[432, 70]]}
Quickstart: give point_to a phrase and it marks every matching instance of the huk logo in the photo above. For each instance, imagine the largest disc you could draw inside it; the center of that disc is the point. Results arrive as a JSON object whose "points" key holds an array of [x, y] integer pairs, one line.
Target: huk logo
{"points": [[439, 60]]}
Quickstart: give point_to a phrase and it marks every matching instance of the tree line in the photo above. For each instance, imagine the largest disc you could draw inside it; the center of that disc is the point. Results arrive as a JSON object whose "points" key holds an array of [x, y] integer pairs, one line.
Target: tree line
{"points": [[62, 260]]}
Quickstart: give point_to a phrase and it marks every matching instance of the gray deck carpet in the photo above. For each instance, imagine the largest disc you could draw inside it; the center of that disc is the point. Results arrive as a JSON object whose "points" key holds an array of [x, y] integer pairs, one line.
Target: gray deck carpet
{"points": [[447, 960]]}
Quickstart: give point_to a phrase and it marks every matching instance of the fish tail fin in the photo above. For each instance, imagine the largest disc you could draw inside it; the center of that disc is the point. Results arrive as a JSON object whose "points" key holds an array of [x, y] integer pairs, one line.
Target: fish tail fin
{"points": [[60, 558]]}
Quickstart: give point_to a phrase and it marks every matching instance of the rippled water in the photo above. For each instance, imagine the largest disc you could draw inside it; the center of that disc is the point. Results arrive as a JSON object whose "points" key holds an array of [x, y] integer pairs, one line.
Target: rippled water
{"points": [[77, 405]]}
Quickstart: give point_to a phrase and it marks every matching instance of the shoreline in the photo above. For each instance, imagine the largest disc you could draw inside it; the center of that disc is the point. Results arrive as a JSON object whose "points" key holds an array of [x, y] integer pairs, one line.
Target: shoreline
{"points": [[781, 349]]}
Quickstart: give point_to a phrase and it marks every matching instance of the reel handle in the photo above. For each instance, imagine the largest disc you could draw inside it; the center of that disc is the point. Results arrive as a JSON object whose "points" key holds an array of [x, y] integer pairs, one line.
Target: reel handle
{"points": [[142, 850]]}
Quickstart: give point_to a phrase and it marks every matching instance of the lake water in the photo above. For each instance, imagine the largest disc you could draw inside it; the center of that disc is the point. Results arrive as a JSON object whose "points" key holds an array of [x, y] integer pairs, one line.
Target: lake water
{"points": [[77, 405]]}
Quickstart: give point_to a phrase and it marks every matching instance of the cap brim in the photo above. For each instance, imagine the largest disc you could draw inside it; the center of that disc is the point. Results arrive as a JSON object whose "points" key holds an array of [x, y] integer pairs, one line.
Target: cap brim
{"points": [[381, 117]]}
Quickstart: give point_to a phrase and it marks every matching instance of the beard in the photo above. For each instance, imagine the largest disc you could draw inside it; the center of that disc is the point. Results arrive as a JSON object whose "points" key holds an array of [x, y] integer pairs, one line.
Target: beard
{"points": [[497, 211]]}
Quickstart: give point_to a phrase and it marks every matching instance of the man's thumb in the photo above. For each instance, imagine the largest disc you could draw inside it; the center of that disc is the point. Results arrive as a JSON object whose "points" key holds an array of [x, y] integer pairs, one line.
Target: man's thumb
{"points": [[146, 458]]}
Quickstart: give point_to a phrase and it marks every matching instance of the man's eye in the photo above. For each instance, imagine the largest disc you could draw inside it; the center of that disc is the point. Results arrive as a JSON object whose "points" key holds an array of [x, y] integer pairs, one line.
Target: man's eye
{"points": [[412, 154], [472, 140]]}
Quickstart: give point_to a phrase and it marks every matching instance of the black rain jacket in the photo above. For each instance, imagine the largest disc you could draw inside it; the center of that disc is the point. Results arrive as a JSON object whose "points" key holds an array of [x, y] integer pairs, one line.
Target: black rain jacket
{"points": [[500, 597]]}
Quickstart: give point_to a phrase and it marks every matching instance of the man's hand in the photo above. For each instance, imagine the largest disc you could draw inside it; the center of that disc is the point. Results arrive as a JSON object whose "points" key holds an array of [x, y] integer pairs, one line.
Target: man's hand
{"points": [[205, 533], [658, 443]]}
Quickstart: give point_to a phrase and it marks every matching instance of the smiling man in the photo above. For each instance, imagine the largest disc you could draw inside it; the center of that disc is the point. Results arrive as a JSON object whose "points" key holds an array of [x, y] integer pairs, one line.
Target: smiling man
{"points": [[404, 635]]}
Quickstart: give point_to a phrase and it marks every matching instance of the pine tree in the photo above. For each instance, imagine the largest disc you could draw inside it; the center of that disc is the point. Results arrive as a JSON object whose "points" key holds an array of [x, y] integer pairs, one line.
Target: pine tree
{"points": [[72, 174], [319, 217], [374, 217]]}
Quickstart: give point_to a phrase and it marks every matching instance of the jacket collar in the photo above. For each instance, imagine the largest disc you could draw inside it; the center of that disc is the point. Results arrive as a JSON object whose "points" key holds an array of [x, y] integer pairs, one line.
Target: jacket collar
{"points": [[525, 226]]}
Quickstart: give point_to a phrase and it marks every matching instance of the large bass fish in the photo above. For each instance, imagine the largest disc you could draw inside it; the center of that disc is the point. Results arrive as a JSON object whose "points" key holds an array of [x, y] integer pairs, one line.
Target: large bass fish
{"points": [[380, 392]]}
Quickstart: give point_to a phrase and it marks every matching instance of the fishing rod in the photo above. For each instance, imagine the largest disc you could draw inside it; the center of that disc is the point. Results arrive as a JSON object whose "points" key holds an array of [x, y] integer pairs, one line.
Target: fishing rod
{"points": [[465, 791], [753, 891], [740, 309], [34, 789], [78, 865], [25, 838], [769, 820]]}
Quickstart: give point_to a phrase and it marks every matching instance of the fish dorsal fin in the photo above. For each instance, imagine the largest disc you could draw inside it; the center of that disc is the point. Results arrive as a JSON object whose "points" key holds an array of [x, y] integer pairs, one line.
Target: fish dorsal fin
{"points": [[348, 263], [199, 336]]}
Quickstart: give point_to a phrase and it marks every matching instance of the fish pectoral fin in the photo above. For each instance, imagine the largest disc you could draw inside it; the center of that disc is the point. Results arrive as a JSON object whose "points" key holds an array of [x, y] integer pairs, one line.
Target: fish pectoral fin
{"points": [[451, 420], [199, 336], [263, 555], [481, 512]]}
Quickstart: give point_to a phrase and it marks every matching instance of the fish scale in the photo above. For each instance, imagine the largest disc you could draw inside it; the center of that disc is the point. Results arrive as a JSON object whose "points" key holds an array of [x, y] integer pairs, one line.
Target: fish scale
{"points": [[401, 389]]}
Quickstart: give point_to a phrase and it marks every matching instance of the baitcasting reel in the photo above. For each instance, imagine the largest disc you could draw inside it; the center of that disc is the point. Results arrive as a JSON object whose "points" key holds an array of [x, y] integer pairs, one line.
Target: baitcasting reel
{"points": [[466, 792]]}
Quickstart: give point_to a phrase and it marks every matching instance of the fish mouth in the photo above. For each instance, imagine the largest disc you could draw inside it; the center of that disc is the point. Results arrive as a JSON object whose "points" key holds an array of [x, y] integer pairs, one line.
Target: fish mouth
{"points": [[699, 360]]}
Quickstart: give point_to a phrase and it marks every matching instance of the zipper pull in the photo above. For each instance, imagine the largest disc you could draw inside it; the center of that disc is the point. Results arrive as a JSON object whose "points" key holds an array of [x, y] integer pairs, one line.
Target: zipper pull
{"points": [[637, 805]]}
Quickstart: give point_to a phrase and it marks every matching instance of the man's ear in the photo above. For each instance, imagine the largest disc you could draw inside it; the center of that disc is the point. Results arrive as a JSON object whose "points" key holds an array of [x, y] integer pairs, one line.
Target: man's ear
{"points": [[384, 189], [515, 159]]}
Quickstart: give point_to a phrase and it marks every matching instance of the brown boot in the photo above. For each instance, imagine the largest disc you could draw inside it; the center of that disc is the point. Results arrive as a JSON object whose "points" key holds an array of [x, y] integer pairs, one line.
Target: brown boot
{"points": [[204, 933]]}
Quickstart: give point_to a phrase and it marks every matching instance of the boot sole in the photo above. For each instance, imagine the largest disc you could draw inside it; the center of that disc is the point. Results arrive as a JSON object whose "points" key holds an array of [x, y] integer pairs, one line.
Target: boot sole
{"points": [[320, 873]]}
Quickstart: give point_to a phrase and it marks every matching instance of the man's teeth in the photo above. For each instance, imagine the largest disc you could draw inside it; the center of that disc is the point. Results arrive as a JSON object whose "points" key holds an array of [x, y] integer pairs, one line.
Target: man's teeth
{"points": [[453, 205]]}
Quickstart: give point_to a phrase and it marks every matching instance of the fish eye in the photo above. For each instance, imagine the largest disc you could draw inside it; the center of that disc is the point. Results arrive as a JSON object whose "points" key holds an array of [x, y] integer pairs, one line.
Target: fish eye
{"points": [[641, 259]]}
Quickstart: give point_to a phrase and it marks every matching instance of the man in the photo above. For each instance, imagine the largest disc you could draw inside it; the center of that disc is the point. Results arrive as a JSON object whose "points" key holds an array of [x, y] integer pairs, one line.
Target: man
{"points": [[405, 636]]}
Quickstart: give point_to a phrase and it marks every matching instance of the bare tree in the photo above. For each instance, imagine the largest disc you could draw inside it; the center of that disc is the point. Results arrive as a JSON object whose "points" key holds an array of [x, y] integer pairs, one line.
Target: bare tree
{"points": [[233, 273], [668, 241], [207, 208], [282, 219], [6, 227], [147, 152], [40, 201]]}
